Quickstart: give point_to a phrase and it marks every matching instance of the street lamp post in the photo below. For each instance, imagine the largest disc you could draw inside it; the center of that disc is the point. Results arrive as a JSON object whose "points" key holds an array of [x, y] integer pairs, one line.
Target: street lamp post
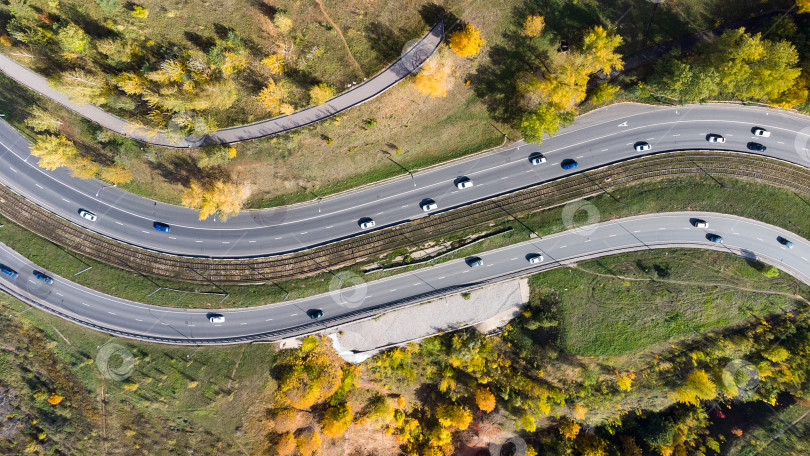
{"points": [[105, 186], [388, 156]]}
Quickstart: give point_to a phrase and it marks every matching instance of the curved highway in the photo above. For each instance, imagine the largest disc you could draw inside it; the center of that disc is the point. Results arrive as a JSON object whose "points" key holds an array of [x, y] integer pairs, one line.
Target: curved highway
{"points": [[752, 239], [602, 137]]}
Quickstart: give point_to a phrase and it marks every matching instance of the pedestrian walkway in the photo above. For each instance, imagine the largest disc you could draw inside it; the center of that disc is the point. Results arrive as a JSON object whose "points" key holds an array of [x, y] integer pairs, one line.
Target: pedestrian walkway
{"points": [[405, 65]]}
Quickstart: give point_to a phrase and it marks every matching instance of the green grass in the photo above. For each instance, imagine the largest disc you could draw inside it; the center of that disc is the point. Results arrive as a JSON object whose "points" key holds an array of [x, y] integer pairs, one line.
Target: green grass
{"points": [[627, 303], [186, 397], [777, 432]]}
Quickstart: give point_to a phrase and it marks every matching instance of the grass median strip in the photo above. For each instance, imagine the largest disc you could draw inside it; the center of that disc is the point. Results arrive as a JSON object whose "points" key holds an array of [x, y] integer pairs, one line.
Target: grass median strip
{"points": [[750, 199]]}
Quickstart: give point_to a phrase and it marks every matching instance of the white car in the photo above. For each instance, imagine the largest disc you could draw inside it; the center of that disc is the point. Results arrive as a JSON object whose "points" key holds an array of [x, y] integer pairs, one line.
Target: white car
{"points": [[700, 223], [367, 224], [536, 259], [642, 146], [216, 318], [87, 215], [758, 131], [712, 137], [537, 158], [429, 206], [464, 183]]}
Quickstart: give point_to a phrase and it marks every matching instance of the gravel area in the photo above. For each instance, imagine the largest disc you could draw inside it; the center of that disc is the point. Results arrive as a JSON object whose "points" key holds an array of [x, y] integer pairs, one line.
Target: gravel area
{"points": [[487, 308]]}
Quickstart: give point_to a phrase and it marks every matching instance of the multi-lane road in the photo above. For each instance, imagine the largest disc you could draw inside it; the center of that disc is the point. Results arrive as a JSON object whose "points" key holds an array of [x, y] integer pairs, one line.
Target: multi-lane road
{"points": [[750, 238], [596, 139]]}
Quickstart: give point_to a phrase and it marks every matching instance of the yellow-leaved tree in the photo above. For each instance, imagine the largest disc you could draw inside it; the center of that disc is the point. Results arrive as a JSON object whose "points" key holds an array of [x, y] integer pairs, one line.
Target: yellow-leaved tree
{"points": [[321, 93], [273, 96], [308, 442], [217, 197], [285, 445], [533, 25], [698, 386], [308, 375], [53, 151], [116, 174], [434, 77], [337, 419], [466, 42], [484, 399], [454, 415]]}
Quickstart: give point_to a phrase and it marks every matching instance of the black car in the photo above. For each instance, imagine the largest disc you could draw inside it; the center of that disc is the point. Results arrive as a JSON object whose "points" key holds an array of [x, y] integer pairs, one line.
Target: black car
{"points": [[715, 238], [315, 313], [755, 146]]}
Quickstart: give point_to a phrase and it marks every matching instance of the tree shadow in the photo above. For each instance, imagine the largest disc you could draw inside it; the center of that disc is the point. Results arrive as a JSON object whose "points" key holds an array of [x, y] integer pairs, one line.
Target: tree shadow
{"points": [[182, 169], [432, 13], [386, 42], [203, 43]]}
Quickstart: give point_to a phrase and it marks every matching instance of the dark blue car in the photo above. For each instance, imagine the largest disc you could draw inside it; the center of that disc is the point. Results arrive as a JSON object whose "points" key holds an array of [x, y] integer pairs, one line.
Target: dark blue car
{"points": [[43, 278], [569, 163], [162, 227], [8, 271]]}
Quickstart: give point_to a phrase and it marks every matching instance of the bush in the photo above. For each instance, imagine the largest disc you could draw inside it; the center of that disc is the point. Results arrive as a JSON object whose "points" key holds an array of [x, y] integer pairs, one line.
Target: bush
{"points": [[109, 6], [140, 12]]}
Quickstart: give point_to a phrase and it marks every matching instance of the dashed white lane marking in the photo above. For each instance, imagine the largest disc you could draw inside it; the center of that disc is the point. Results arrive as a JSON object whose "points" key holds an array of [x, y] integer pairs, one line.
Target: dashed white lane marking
{"points": [[111, 313], [119, 223], [505, 177], [662, 228], [637, 231], [587, 240], [60, 294], [440, 278], [603, 150], [242, 323], [65, 200], [142, 231], [579, 156], [677, 134], [393, 289], [38, 185], [278, 237], [759, 239], [138, 319], [406, 205], [803, 258], [293, 315], [172, 237], [192, 325], [513, 259], [305, 232], [612, 235], [226, 242], [269, 319], [329, 227], [198, 241], [85, 304], [563, 246], [251, 242], [12, 169]]}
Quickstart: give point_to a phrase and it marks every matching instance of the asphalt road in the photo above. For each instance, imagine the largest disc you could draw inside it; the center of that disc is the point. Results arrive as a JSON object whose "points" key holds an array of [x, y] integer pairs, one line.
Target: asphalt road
{"points": [[749, 238], [596, 139]]}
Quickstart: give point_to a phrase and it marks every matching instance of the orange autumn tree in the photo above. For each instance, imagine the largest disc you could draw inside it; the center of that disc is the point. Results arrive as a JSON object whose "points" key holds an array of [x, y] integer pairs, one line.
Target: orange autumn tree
{"points": [[434, 77], [466, 42], [484, 399]]}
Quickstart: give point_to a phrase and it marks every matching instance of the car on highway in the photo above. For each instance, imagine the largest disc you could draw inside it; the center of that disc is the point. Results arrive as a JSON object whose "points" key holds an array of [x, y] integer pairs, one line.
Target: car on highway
{"points": [[87, 215], [642, 146], [463, 182], [428, 205], [756, 147], [698, 223], [43, 278], [216, 318], [160, 226], [536, 158], [569, 163], [474, 261], [713, 137], [8, 271], [535, 258], [759, 131], [315, 314], [367, 223], [715, 238], [784, 242]]}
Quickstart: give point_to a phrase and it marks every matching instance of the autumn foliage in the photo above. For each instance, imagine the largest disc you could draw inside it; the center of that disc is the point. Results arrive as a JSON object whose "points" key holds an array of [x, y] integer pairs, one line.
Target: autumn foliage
{"points": [[466, 42], [217, 197]]}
